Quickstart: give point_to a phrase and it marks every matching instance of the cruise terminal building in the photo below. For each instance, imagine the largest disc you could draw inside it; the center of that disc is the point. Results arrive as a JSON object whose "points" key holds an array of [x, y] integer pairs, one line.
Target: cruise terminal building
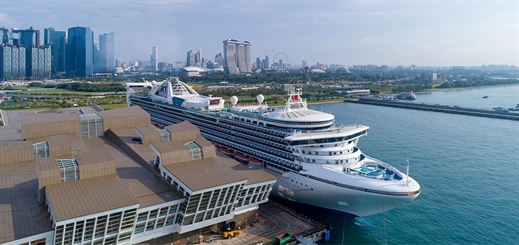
{"points": [[87, 176]]}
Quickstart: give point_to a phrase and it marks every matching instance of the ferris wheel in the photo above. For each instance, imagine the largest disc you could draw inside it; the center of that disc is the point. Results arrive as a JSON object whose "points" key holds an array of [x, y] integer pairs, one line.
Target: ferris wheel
{"points": [[281, 57]]}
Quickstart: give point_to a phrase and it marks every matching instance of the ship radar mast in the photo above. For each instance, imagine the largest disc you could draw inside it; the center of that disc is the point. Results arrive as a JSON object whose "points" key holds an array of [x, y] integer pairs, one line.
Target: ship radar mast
{"points": [[295, 101]]}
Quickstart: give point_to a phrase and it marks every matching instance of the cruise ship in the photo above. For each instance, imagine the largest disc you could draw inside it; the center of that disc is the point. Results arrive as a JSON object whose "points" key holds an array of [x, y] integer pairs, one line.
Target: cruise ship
{"points": [[316, 161]]}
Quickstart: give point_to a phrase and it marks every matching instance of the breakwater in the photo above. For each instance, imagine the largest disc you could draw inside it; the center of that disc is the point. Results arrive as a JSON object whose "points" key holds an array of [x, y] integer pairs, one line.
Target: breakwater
{"points": [[438, 108]]}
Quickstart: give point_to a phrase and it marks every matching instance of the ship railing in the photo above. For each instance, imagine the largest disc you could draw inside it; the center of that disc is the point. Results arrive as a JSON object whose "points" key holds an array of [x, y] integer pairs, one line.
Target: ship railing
{"points": [[335, 129], [380, 164]]}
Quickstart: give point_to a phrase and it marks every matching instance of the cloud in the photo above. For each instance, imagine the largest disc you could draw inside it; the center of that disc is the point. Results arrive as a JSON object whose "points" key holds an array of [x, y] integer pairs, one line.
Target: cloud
{"points": [[426, 46], [367, 39], [7, 21]]}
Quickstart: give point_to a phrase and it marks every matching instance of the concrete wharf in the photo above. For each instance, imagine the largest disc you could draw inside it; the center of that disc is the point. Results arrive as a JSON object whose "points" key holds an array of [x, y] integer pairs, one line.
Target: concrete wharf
{"points": [[274, 220], [438, 108]]}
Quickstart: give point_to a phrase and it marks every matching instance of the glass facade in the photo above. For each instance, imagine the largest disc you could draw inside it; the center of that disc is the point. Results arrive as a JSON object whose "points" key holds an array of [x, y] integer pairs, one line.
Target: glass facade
{"points": [[113, 228], [155, 218], [106, 52], [79, 52]]}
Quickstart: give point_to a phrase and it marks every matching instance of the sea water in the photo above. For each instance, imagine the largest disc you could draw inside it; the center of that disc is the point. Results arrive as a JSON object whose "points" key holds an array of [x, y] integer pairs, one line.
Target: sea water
{"points": [[468, 169]]}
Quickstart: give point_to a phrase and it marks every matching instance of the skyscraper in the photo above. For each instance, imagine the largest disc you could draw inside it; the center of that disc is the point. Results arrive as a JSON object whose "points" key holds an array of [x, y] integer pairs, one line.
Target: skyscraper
{"points": [[57, 41], [198, 58], [190, 58], [154, 59], [106, 52], [243, 57], [228, 53], [237, 56], [79, 52], [29, 38]]}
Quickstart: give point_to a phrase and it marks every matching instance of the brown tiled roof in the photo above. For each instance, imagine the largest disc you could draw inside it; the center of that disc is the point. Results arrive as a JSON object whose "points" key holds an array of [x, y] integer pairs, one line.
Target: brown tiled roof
{"points": [[168, 146], [149, 188], [10, 133], [37, 118], [20, 215], [83, 197], [43, 164], [202, 142], [147, 130], [205, 173], [15, 145], [183, 126], [123, 112], [78, 145], [61, 139], [254, 175], [94, 156]]}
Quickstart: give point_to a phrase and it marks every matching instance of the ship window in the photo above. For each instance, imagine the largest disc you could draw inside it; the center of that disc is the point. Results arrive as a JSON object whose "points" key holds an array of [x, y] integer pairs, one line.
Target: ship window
{"points": [[313, 160]]}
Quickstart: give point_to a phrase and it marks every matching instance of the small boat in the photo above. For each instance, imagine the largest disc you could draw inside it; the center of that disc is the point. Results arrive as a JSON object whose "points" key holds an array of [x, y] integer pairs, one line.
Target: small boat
{"points": [[226, 151], [484, 97], [241, 157], [255, 161]]}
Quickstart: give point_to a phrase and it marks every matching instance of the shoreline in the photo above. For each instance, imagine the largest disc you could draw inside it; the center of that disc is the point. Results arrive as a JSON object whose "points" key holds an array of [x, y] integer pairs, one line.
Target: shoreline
{"points": [[467, 88]]}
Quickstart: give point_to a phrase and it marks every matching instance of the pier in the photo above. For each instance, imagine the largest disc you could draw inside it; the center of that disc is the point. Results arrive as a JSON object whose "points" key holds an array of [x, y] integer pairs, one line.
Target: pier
{"points": [[438, 108]]}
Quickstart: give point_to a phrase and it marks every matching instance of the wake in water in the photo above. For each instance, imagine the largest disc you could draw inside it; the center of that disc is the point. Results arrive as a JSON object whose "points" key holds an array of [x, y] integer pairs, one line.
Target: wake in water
{"points": [[362, 222]]}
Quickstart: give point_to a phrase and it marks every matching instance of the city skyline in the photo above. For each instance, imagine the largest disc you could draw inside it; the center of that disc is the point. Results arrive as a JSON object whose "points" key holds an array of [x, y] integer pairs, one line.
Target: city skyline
{"points": [[350, 32]]}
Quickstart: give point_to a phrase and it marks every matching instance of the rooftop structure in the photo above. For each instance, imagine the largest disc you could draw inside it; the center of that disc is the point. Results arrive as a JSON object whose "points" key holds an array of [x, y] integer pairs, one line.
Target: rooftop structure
{"points": [[110, 177]]}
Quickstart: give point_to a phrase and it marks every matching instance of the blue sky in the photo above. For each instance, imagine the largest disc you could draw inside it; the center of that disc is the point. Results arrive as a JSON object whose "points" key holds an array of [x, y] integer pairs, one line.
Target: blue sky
{"points": [[435, 33]]}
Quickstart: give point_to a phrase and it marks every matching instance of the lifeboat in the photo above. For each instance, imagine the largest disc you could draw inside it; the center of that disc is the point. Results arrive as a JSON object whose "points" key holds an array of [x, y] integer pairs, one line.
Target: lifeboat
{"points": [[241, 157], [255, 161], [226, 151]]}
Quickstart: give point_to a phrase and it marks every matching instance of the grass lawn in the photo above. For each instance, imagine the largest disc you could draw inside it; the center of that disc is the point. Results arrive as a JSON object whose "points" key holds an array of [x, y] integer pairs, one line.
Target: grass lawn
{"points": [[56, 92], [112, 106]]}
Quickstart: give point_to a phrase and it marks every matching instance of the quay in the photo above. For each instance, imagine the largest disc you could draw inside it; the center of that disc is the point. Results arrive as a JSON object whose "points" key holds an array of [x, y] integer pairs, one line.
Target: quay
{"points": [[275, 221], [437, 108]]}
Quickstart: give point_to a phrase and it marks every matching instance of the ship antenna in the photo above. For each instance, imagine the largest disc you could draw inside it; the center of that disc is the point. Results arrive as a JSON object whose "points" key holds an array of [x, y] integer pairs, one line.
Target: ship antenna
{"points": [[407, 172]]}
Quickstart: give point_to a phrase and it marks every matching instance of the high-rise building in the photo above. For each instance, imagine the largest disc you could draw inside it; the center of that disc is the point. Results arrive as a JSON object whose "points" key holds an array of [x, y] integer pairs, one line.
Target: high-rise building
{"points": [[106, 53], [198, 58], [266, 62], [237, 56], [190, 58], [154, 59], [229, 46], [258, 63], [5, 35], [219, 60], [304, 64], [79, 52], [57, 41], [12, 62], [29, 38]]}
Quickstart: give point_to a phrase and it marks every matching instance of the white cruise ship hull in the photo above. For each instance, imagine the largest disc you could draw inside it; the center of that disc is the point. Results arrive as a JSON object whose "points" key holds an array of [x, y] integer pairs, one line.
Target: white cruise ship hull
{"points": [[301, 189], [296, 158]]}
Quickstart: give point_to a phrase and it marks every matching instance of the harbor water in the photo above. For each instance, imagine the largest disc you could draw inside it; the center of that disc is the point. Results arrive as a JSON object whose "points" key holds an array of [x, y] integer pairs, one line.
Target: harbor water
{"points": [[468, 169]]}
